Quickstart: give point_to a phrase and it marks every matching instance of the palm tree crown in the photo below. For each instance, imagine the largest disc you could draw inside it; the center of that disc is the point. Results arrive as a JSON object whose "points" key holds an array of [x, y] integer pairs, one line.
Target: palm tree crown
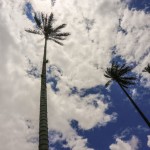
{"points": [[44, 26], [147, 68], [118, 73]]}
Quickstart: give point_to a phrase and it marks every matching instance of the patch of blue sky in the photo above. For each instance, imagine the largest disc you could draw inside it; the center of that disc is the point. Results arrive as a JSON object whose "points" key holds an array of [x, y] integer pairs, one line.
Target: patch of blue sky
{"points": [[74, 90], [92, 90], [139, 5], [120, 60], [120, 29], [53, 82], [56, 144], [128, 118], [33, 70], [52, 78], [29, 11], [98, 89], [142, 100]]}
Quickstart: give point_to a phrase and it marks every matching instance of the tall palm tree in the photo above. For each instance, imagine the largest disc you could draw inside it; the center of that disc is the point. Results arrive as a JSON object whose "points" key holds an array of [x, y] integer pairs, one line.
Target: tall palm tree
{"points": [[44, 26], [147, 68], [119, 73]]}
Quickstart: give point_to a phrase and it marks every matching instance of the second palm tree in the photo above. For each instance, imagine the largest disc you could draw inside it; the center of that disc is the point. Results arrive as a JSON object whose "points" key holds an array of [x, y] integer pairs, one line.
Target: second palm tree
{"points": [[118, 73]]}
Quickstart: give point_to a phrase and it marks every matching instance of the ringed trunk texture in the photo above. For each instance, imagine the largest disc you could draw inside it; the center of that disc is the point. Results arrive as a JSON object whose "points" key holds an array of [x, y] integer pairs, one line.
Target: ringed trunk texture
{"points": [[136, 107], [43, 123]]}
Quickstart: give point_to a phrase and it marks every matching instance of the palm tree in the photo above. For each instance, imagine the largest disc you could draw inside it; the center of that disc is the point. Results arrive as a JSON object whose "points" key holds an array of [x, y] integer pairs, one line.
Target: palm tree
{"points": [[44, 26], [119, 73], [147, 68]]}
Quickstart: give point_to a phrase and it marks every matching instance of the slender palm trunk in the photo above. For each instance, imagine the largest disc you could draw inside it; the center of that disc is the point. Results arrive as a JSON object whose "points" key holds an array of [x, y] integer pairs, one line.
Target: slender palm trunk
{"points": [[43, 125], [136, 107]]}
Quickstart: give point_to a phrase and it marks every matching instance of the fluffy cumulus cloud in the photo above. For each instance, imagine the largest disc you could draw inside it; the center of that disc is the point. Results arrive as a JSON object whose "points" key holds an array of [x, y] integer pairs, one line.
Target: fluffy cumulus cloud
{"points": [[82, 61], [128, 1], [132, 144], [134, 93], [133, 44]]}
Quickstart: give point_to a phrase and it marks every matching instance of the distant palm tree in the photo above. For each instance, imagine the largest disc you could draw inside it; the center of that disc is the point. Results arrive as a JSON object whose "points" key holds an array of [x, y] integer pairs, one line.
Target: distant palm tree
{"points": [[44, 26], [147, 68], [119, 73]]}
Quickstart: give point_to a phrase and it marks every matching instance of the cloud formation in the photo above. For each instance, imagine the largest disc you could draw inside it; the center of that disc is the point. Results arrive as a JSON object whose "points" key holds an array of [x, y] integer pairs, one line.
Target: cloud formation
{"points": [[82, 60], [148, 142], [132, 144]]}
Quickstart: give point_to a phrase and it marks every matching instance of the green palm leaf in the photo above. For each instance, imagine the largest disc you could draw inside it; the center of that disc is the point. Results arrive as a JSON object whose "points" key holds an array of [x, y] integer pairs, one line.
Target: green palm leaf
{"points": [[147, 68], [57, 42], [57, 29], [108, 83], [62, 34], [37, 20], [119, 74], [33, 31], [58, 38], [50, 20]]}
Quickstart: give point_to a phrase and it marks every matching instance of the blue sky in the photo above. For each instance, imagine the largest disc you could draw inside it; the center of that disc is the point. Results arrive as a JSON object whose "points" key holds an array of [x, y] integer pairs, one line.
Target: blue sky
{"points": [[128, 122], [83, 113]]}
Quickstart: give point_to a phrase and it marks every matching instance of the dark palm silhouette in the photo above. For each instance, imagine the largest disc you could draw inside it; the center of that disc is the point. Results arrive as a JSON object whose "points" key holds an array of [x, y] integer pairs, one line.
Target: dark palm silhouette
{"points": [[147, 68], [44, 26], [119, 73]]}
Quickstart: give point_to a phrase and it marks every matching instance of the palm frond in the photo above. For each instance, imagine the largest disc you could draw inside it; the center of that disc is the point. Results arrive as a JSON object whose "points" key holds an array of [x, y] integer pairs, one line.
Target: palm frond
{"points": [[58, 38], [147, 68], [37, 20], [124, 65], [46, 21], [124, 85], [59, 27], [50, 20], [43, 19], [125, 82], [129, 78], [63, 34], [108, 83], [56, 41], [124, 70], [33, 31], [106, 75]]}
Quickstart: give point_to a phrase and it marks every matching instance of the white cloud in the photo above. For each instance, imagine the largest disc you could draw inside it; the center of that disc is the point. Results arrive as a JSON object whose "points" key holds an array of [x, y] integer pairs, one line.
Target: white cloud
{"points": [[79, 109], [132, 144], [134, 93], [77, 142], [41, 5], [134, 46], [128, 1], [148, 142]]}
